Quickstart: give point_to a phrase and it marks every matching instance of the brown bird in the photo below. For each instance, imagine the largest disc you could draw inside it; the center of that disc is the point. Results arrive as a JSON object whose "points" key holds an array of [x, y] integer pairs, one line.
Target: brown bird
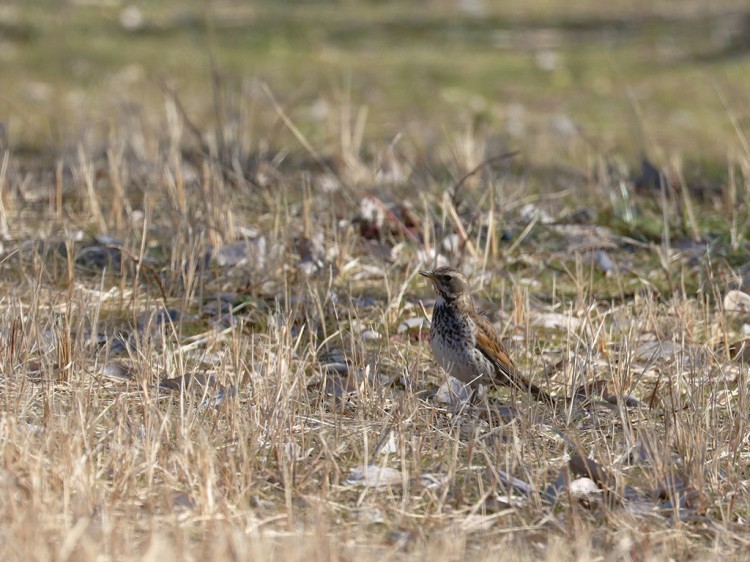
{"points": [[465, 343]]}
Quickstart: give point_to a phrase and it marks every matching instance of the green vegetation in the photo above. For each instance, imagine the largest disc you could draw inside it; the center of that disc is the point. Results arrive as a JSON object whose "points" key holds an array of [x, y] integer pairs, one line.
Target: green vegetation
{"points": [[529, 71]]}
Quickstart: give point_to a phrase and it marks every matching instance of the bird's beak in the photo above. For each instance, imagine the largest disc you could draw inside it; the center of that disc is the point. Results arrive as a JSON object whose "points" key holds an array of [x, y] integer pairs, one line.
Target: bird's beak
{"points": [[429, 274]]}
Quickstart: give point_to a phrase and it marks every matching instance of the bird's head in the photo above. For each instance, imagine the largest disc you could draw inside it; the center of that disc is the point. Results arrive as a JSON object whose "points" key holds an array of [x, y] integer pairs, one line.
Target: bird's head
{"points": [[449, 283]]}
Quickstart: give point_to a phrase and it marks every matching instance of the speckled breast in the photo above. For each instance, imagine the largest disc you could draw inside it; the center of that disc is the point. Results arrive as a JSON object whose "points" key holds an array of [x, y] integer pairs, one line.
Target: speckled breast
{"points": [[453, 344]]}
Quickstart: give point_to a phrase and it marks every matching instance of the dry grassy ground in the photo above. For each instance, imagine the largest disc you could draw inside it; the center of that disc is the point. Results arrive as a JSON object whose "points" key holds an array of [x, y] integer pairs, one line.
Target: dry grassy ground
{"points": [[214, 334], [243, 374]]}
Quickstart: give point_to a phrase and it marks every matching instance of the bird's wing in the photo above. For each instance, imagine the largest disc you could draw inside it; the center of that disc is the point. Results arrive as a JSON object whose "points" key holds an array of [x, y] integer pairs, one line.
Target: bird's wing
{"points": [[488, 343]]}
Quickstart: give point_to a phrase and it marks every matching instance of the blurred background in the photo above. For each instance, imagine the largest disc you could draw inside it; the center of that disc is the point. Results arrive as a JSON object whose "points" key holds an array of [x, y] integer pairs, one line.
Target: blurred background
{"points": [[559, 80]]}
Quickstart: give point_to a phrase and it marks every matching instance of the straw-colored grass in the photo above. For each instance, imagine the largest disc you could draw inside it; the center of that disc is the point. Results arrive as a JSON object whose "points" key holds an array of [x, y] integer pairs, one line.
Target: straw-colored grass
{"points": [[318, 435]]}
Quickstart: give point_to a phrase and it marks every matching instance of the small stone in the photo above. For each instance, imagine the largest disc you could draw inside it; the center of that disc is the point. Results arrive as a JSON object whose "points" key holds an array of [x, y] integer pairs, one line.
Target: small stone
{"points": [[453, 391], [584, 488], [737, 301], [373, 476], [413, 324], [370, 335]]}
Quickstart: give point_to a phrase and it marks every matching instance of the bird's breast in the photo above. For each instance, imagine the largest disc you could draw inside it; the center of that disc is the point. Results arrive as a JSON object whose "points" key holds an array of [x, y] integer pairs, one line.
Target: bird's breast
{"points": [[453, 340]]}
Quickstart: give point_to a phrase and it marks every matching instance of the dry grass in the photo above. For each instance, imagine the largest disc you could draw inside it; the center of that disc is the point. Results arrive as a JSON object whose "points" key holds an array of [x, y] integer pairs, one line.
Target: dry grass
{"points": [[311, 375]]}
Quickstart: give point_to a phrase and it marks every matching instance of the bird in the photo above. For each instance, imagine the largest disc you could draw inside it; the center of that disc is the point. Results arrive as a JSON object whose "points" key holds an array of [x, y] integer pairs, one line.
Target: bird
{"points": [[465, 343]]}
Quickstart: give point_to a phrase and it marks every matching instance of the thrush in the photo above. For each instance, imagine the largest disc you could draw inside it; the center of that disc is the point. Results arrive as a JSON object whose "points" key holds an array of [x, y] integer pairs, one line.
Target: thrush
{"points": [[465, 343]]}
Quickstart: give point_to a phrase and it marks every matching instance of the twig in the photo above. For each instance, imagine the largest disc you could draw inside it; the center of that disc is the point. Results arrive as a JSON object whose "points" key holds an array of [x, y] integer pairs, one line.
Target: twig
{"points": [[392, 216], [143, 264], [482, 164], [192, 127]]}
